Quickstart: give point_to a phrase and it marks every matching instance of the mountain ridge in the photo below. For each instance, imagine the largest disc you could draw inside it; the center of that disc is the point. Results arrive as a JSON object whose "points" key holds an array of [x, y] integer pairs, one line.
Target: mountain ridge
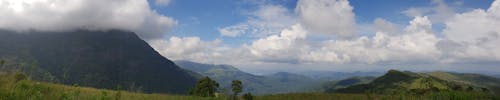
{"points": [[394, 82], [102, 59]]}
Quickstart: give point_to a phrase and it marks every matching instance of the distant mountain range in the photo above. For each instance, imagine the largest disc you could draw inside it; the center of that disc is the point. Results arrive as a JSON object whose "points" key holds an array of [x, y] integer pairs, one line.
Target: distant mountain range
{"points": [[281, 82], [332, 75], [395, 82], [102, 59]]}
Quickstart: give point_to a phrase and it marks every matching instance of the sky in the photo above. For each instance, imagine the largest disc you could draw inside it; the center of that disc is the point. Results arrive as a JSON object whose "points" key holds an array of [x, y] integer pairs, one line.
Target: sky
{"points": [[266, 36]]}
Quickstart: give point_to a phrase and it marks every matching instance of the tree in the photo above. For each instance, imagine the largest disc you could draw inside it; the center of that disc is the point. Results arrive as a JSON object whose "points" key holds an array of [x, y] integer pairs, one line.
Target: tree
{"points": [[2, 62], [248, 96], [237, 88], [470, 89], [205, 87]]}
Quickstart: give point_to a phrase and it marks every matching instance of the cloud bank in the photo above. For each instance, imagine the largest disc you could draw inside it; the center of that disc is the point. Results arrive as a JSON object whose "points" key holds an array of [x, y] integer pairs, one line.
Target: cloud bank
{"points": [[65, 15]]}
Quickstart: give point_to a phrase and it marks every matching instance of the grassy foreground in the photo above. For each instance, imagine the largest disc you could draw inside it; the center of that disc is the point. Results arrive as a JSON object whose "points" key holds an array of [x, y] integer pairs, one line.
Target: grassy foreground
{"points": [[33, 90], [13, 88], [338, 96]]}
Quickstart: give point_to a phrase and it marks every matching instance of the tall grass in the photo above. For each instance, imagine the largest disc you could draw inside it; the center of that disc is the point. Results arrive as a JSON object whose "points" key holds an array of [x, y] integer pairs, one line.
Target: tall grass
{"points": [[33, 90], [339, 96]]}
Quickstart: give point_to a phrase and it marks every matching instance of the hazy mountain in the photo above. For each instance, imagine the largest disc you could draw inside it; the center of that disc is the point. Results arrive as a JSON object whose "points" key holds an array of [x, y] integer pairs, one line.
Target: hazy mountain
{"points": [[331, 86], [497, 76], [281, 82], [103, 59], [290, 77], [332, 75], [395, 82]]}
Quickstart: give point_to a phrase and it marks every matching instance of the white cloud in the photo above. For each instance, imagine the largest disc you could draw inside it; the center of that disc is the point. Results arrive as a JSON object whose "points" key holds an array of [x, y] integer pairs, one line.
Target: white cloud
{"points": [[288, 44], [234, 31], [419, 24], [266, 20], [64, 15], [474, 35], [183, 48], [416, 44], [439, 12], [195, 49], [327, 16]]}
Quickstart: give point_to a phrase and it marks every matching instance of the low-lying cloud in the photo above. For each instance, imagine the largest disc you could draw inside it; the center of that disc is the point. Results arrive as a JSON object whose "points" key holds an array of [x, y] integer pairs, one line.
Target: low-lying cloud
{"points": [[66, 15]]}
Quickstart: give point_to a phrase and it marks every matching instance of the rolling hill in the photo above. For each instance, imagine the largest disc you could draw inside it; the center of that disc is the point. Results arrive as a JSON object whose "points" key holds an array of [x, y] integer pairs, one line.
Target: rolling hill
{"points": [[491, 83], [333, 85], [101, 59], [397, 82], [332, 75]]}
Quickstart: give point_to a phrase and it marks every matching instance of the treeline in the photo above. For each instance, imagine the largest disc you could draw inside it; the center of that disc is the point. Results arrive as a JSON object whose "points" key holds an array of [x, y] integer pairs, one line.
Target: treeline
{"points": [[207, 87]]}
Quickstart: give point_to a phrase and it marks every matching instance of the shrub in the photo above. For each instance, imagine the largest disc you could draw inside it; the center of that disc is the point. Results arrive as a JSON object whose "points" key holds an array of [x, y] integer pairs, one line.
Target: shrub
{"points": [[19, 76], [248, 96]]}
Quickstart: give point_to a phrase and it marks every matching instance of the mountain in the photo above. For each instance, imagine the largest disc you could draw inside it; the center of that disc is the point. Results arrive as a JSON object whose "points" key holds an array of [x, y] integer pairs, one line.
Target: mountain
{"points": [[281, 82], [396, 82], [489, 82], [497, 76], [290, 77], [102, 59], [331, 86], [332, 75]]}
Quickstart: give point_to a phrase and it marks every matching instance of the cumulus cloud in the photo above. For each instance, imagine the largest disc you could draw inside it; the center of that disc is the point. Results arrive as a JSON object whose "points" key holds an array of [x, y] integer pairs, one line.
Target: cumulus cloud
{"points": [[473, 35], [195, 49], [64, 15], [327, 16], [416, 44], [439, 12], [266, 20], [288, 44], [183, 48]]}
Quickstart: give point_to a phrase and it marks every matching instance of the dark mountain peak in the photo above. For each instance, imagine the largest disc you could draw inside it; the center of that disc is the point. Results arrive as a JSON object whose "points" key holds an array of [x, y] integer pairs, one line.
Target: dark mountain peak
{"points": [[102, 59]]}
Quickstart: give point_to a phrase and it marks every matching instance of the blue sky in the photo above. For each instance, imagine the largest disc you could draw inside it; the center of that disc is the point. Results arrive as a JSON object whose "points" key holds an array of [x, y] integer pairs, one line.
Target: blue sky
{"points": [[265, 36]]}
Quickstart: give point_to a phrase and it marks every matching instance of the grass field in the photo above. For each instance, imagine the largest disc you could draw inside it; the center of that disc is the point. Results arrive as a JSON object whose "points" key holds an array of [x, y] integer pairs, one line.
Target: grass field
{"points": [[337, 96], [11, 88], [33, 90]]}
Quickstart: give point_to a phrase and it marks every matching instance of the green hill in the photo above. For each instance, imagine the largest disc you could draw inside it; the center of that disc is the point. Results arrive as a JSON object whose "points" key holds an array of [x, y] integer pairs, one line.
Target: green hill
{"points": [[331, 86], [397, 82], [478, 80], [100, 59]]}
